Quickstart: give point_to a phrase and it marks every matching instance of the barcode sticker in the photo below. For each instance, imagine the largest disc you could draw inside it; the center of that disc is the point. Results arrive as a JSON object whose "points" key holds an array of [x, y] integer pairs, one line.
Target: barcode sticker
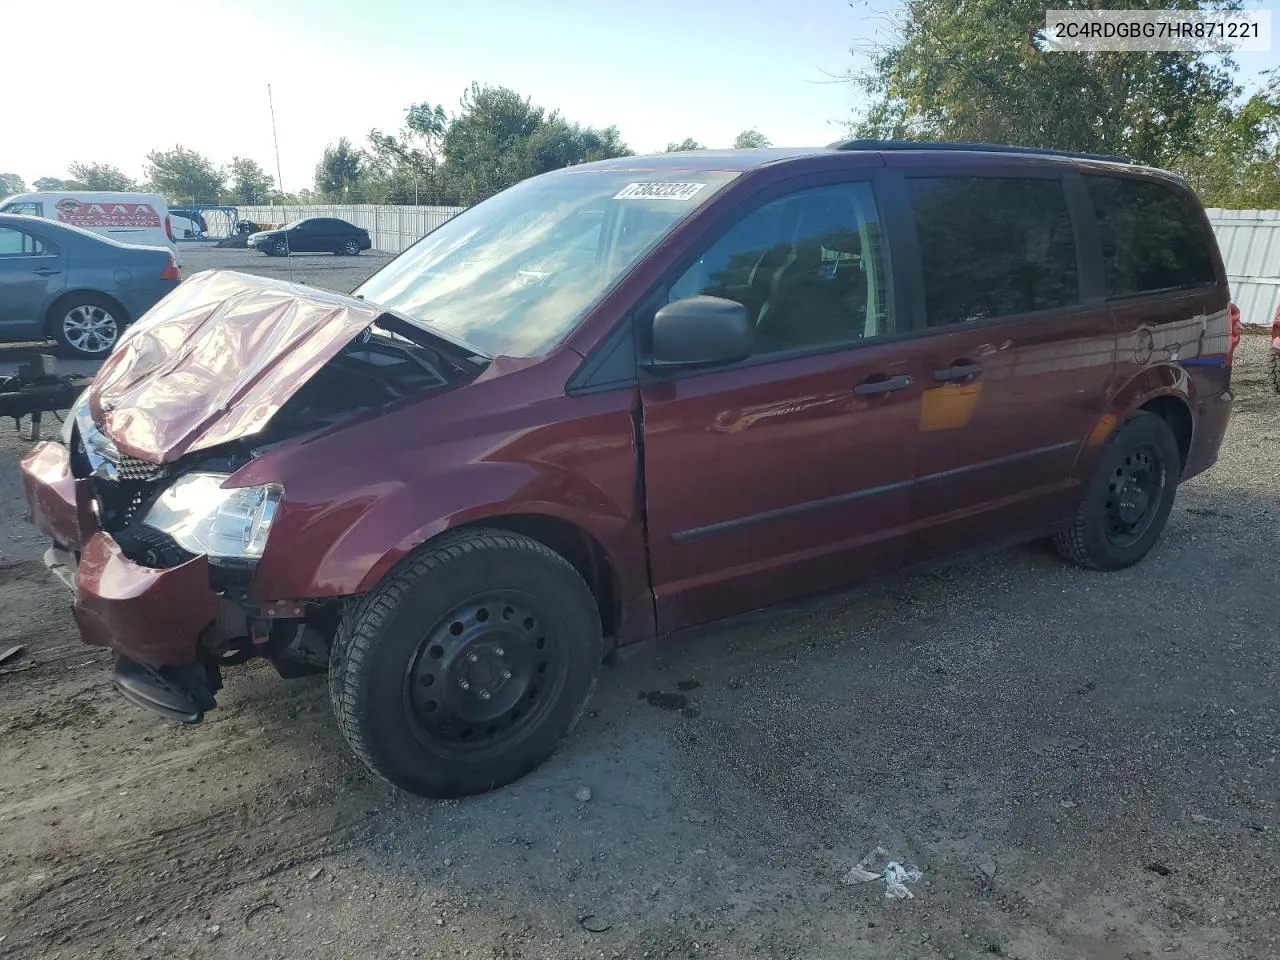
{"points": [[658, 191]]}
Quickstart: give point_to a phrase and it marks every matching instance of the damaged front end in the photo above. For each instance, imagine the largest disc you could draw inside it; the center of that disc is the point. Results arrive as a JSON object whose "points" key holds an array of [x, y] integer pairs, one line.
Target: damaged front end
{"points": [[150, 527]]}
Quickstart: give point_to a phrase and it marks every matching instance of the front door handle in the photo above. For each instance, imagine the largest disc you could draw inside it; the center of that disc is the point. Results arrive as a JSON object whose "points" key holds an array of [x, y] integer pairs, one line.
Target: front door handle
{"points": [[45, 271], [960, 370], [879, 384]]}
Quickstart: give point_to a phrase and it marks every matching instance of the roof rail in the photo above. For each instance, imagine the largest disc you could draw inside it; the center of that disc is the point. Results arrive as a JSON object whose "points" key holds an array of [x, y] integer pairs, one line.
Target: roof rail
{"points": [[983, 147]]}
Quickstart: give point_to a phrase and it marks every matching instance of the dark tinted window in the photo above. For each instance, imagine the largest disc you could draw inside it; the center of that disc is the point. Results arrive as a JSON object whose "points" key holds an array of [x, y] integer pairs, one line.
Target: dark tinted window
{"points": [[993, 246], [808, 267], [1151, 236]]}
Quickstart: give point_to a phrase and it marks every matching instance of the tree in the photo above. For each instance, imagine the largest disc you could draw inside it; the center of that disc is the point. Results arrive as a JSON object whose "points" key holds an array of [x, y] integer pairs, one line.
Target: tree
{"points": [[981, 70], [751, 138], [11, 183], [100, 176], [249, 183], [184, 175], [49, 183], [688, 143], [339, 171], [499, 138], [405, 167]]}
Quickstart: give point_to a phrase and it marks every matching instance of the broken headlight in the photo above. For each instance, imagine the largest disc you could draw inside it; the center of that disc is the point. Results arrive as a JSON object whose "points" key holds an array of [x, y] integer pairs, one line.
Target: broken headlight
{"points": [[204, 517]]}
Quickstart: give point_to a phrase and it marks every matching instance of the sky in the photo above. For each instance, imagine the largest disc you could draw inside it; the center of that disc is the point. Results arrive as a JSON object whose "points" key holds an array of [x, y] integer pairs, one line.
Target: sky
{"points": [[150, 74]]}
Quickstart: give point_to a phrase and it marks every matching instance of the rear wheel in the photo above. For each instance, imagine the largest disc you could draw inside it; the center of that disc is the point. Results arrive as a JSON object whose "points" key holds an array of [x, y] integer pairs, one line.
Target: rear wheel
{"points": [[1128, 501], [465, 668], [86, 324], [350, 248]]}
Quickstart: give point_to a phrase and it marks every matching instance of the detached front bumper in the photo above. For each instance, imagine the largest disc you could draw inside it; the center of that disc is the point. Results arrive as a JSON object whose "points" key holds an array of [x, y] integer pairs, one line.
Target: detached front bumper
{"points": [[152, 616]]}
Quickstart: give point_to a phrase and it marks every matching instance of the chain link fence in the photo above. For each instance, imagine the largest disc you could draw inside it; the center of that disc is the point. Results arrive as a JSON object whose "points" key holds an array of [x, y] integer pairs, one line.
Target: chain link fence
{"points": [[391, 228]]}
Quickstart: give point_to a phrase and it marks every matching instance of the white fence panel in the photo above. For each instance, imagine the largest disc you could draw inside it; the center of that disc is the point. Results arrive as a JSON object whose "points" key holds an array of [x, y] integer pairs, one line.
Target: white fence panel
{"points": [[391, 228]]}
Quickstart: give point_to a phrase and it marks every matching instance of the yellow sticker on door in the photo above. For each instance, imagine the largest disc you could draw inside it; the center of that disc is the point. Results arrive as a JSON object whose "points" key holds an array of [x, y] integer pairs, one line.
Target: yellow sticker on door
{"points": [[948, 407]]}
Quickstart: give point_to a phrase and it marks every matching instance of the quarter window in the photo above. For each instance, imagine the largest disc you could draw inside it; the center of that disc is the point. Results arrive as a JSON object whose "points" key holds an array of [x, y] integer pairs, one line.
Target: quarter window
{"points": [[1150, 239], [993, 247], [809, 267]]}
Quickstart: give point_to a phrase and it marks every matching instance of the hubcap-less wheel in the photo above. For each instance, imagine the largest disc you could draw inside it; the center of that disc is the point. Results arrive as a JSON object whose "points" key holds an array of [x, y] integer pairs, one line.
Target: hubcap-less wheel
{"points": [[90, 329], [1132, 495], [352, 248], [482, 675]]}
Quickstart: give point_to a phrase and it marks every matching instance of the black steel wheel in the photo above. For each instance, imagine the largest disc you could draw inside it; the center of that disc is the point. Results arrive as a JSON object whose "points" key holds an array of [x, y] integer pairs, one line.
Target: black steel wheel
{"points": [[483, 674], [1128, 501], [467, 665]]}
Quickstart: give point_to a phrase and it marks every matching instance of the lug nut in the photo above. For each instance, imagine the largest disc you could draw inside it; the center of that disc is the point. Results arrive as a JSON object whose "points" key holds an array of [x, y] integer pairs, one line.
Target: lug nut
{"points": [[473, 658], [499, 651], [484, 694], [506, 674], [464, 685]]}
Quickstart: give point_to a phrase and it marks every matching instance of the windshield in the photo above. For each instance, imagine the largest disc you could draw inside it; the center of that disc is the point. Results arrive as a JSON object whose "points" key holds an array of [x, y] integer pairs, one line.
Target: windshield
{"points": [[293, 223], [515, 274]]}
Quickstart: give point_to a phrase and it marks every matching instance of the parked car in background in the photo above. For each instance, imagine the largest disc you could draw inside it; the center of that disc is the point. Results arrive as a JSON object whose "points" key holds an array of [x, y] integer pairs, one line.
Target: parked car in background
{"points": [[137, 218], [763, 375], [312, 235], [74, 287]]}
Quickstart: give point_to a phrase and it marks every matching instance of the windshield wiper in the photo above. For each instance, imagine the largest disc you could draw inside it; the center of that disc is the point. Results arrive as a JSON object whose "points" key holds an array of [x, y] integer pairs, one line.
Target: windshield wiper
{"points": [[430, 337]]}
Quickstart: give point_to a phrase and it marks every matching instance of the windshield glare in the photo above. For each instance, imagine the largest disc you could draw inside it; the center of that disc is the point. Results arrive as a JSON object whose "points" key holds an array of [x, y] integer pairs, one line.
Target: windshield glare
{"points": [[515, 274]]}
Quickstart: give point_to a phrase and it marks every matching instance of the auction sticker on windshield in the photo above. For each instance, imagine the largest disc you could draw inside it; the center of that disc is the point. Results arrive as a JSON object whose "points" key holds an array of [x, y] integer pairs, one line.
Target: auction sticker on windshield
{"points": [[658, 191]]}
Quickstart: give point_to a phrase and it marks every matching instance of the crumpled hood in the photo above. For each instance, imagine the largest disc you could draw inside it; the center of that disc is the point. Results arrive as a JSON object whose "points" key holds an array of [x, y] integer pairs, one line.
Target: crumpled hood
{"points": [[216, 359]]}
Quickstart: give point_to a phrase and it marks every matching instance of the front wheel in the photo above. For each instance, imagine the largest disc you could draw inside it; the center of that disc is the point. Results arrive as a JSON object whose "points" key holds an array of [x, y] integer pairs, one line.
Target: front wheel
{"points": [[1128, 501], [280, 248], [87, 325], [467, 665]]}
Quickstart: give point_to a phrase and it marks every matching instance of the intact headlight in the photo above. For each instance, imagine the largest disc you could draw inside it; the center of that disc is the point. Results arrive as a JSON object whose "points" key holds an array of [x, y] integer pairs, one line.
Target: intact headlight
{"points": [[203, 517]]}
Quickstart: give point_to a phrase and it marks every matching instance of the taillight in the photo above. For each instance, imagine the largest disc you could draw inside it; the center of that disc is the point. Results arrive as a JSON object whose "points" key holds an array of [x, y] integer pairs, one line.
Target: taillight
{"points": [[1235, 332], [168, 226], [171, 271]]}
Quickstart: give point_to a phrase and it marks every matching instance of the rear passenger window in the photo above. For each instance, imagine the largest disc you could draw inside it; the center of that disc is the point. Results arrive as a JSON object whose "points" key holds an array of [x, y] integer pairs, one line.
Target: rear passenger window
{"points": [[809, 267], [1151, 238], [15, 243], [993, 247]]}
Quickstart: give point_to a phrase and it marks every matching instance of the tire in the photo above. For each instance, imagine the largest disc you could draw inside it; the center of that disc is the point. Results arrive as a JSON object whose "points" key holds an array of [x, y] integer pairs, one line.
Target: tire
{"points": [[349, 248], [86, 325], [280, 248], [1127, 503], [467, 665], [1275, 370]]}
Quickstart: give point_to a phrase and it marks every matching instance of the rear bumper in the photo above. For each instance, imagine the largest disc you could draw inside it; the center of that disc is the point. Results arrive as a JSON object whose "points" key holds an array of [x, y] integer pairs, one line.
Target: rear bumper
{"points": [[154, 617]]}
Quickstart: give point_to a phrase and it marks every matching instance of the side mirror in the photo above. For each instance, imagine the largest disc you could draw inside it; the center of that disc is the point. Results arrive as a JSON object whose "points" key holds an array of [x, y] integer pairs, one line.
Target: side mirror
{"points": [[701, 332]]}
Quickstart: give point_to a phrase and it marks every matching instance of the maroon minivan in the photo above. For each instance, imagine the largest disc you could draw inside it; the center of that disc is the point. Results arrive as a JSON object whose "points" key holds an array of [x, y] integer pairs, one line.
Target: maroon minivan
{"points": [[624, 399]]}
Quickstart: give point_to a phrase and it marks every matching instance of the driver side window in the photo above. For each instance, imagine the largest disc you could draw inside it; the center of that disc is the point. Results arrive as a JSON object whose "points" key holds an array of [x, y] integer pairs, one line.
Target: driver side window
{"points": [[809, 267]]}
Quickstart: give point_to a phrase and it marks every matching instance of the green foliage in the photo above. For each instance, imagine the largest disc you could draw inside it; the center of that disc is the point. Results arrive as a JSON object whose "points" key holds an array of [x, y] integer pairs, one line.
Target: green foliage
{"points": [[752, 138], [500, 138], [11, 183], [183, 175], [339, 171], [98, 176], [979, 70], [49, 183], [249, 183], [688, 143], [405, 167]]}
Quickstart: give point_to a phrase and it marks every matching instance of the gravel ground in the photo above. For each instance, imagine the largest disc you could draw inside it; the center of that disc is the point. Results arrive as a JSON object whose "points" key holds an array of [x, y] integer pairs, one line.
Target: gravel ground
{"points": [[1083, 765]]}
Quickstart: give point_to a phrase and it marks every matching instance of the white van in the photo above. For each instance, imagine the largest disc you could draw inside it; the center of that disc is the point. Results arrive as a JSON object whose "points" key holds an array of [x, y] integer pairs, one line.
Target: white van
{"points": [[141, 218]]}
